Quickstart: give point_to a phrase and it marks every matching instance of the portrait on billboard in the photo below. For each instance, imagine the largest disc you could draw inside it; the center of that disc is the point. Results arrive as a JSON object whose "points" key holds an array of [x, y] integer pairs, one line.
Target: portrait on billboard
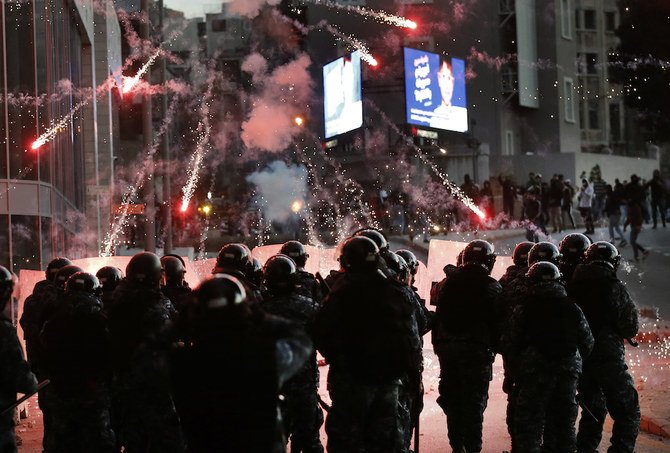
{"points": [[435, 91]]}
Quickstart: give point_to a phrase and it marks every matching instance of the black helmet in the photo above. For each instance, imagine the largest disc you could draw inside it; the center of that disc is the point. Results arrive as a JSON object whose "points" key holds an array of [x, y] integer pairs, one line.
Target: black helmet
{"points": [[520, 255], [64, 273], [398, 265], [459, 258], [573, 247], [145, 268], [173, 268], [603, 252], [109, 277], [83, 282], [296, 251], [479, 252], [410, 259], [376, 236], [219, 291], [544, 271], [359, 254], [53, 267], [279, 274], [234, 257], [543, 251], [6, 286]]}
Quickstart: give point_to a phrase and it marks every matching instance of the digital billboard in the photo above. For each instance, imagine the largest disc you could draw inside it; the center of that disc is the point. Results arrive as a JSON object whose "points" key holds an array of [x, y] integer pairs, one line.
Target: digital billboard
{"points": [[435, 91], [342, 99]]}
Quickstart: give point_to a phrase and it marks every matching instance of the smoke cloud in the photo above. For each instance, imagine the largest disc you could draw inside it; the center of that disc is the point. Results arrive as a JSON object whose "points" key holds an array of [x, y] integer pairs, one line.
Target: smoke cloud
{"points": [[249, 8], [277, 187]]}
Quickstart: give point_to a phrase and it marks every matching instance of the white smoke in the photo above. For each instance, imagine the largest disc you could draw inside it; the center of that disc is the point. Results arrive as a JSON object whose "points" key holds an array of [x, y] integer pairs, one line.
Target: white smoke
{"points": [[278, 187]]}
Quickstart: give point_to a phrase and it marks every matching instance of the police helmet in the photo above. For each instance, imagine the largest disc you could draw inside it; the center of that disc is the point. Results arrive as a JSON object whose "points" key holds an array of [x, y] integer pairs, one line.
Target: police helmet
{"points": [[296, 251], [53, 267], [602, 252], [6, 286], [573, 247], [279, 273], [520, 255], [109, 277], [543, 251], [145, 268], [544, 271], [359, 254], [377, 237], [479, 252], [399, 266], [234, 257], [173, 268], [410, 259], [64, 273], [219, 291], [83, 282]]}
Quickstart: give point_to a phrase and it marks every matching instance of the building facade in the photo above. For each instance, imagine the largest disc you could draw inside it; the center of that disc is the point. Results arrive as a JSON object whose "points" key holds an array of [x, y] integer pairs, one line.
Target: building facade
{"points": [[56, 57]]}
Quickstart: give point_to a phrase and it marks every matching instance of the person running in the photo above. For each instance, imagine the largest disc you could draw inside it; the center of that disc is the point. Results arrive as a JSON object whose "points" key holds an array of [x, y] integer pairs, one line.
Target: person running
{"points": [[635, 219]]}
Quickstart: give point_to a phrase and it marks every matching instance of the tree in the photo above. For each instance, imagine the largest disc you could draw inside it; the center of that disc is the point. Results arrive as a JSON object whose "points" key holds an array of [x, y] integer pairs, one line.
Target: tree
{"points": [[641, 63]]}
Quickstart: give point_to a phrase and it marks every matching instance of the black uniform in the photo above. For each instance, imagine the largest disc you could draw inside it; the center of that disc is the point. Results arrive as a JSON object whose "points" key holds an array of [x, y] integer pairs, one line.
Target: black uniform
{"points": [[308, 286], [77, 361], [364, 331], [227, 379], [141, 327], [549, 336], [32, 320], [465, 346], [14, 378], [605, 385], [303, 416]]}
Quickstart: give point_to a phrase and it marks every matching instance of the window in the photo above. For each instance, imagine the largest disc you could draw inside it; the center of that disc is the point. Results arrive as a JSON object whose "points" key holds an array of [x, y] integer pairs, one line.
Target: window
{"points": [[509, 143], [219, 25], [594, 114], [587, 63], [566, 26], [610, 21], [589, 19], [569, 100]]}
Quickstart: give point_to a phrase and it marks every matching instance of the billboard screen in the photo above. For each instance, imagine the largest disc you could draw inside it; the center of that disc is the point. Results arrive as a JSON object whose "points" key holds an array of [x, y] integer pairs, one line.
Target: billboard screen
{"points": [[342, 99], [435, 91]]}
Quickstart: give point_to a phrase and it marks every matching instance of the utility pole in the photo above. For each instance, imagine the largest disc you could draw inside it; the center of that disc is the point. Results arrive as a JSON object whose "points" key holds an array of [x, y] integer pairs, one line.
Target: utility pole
{"points": [[167, 162], [147, 140]]}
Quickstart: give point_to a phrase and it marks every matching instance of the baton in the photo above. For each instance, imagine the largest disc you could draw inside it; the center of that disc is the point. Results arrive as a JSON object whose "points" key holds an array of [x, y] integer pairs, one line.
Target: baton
{"points": [[416, 434], [632, 342], [585, 407], [25, 397]]}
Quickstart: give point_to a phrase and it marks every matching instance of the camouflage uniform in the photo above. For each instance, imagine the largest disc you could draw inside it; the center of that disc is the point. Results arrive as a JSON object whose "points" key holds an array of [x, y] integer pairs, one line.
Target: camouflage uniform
{"points": [[364, 330], [303, 416], [549, 336], [15, 377], [140, 325], [605, 385], [465, 345], [77, 361]]}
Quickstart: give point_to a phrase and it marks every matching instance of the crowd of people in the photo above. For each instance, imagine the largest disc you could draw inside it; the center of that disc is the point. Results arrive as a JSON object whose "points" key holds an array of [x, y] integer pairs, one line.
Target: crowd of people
{"points": [[142, 363]]}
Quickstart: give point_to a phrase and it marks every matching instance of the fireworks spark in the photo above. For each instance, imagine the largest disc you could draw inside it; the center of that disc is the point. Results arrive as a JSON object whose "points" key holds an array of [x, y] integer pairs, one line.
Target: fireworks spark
{"points": [[352, 41], [130, 82], [380, 16], [60, 125]]}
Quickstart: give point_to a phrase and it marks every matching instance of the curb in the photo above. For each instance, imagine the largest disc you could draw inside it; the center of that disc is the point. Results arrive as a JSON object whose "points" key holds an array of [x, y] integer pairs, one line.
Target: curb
{"points": [[657, 427]]}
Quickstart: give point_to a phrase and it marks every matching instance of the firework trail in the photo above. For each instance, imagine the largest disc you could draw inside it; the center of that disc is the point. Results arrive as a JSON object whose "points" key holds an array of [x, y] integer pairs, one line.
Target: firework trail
{"points": [[380, 16], [130, 82], [453, 188], [132, 191], [204, 130]]}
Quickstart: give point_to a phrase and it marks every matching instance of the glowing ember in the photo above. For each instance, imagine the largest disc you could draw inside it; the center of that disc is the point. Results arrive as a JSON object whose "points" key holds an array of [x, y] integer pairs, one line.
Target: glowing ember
{"points": [[130, 82], [299, 121], [296, 206]]}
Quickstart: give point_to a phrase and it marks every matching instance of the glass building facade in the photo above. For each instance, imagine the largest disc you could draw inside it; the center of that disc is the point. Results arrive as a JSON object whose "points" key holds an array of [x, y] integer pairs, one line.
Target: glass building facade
{"points": [[47, 66]]}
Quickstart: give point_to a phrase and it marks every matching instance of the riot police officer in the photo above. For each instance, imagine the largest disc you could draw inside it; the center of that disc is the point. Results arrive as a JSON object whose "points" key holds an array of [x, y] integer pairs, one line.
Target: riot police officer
{"points": [[77, 351], [544, 251], [605, 385], [572, 248], [109, 277], [227, 377], [364, 332], [549, 336], [235, 259], [141, 327], [174, 286], [520, 266], [283, 297], [466, 307], [307, 284], [16, 375]]}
